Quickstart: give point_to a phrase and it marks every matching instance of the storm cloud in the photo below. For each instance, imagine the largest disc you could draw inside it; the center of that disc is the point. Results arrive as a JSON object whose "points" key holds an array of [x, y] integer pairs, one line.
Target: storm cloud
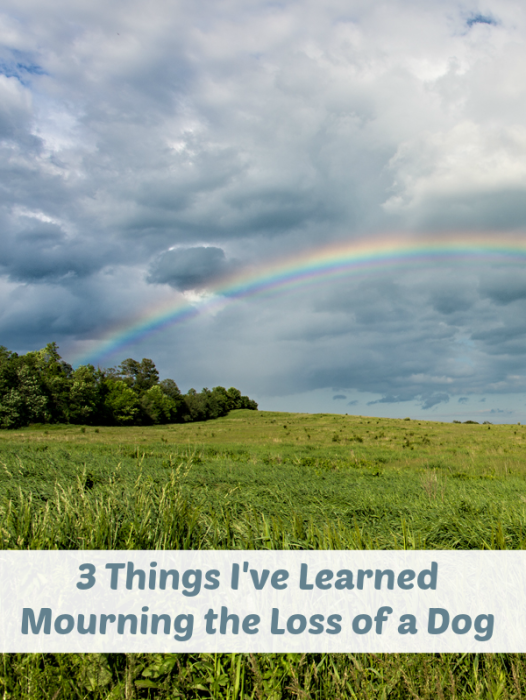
{"points": [[189, 268]]}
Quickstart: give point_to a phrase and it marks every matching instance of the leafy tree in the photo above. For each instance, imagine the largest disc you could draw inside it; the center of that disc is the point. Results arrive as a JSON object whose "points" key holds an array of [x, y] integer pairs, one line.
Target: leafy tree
{"points": [[140, 376], [196, 405], [218, 402], [8, 367], [86, 395], [170, 388], [208, 404], [40, 387], [121, 402], [23, 403], [234, 395], [247, 403], [55, 377], [239, 401], [157, 406]]}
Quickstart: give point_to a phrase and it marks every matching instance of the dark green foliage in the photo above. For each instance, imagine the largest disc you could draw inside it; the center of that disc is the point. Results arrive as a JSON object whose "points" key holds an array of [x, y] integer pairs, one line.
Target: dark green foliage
{"points": [[215, 403], [140, 376], [157, 406], [121, 403], [40, 387], [85, 395], [25, 385], [195, 405]]}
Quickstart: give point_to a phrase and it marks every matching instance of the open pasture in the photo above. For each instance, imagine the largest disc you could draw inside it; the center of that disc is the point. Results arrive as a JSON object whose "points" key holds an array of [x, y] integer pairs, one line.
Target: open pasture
{"points": [[277, 480], [257, 480]]}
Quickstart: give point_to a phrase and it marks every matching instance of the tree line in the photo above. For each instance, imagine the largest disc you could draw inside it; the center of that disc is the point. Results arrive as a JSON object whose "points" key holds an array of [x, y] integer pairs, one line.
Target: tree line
{"points": [[40, 387]]}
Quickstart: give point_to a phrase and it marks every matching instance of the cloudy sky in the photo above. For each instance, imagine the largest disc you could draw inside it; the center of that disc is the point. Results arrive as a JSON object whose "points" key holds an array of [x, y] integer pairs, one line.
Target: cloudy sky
{"points": [[149, 149]]}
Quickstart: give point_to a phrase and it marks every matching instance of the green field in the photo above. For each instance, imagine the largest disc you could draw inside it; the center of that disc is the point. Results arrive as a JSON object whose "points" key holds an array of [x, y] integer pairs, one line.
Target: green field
{"points": [[261, 480]]}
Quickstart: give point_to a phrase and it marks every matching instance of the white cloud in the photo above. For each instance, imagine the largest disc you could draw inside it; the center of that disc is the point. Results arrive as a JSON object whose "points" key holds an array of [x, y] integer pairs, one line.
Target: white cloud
{"points": [[467, 159]]}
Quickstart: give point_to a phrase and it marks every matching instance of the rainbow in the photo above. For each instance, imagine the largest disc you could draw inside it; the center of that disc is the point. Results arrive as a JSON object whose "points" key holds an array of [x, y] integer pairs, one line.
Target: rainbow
{"points": [[329, 262]]}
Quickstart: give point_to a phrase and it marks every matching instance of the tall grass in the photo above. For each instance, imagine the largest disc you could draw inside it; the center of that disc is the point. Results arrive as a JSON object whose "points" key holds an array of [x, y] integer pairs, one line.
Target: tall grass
{"points": [[263, 676], [234, 501]]}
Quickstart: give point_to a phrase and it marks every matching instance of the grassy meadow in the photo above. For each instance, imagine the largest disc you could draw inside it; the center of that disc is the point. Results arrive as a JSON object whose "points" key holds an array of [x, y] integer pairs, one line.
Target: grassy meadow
{"points": [[263, 480]]}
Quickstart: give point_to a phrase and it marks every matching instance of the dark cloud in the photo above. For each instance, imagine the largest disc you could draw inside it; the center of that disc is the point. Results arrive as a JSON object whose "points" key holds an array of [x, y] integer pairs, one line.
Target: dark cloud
{"points": [[504, 286], [435, 399], [390, 399], [453, 298], [463, 399], [339, 397], [36, 249], [189, 268], [42, 253], [352, 403], [506, 335]]}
